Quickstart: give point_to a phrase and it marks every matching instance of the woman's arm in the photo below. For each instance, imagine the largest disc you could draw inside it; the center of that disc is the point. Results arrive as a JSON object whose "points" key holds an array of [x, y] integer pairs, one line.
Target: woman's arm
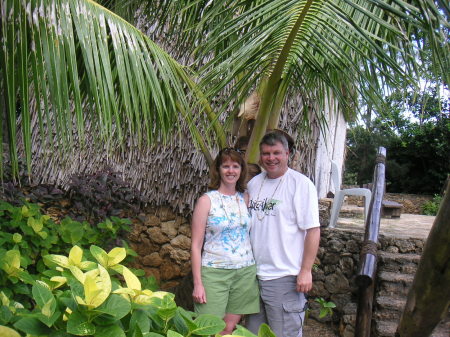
{"points": [[199, 218], [246, 198]]}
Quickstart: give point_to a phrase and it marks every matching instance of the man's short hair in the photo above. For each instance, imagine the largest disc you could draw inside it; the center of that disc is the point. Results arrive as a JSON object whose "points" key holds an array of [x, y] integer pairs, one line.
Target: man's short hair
{"points": [[272, 138]]}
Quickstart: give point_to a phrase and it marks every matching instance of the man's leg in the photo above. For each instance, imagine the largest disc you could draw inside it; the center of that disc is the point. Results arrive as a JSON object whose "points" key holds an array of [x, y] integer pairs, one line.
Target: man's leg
{"points": [[284, 306], [253, 321]]}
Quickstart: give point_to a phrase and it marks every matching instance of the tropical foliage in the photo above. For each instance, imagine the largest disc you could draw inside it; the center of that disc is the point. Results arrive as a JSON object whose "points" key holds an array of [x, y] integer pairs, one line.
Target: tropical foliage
{"points": [[98, 297], [26, 235], [322, 49], [69, 64]]}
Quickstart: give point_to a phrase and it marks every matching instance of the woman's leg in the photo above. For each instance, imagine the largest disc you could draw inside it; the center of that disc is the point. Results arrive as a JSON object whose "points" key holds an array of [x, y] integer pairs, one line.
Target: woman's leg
{"points": [[231, 320]]}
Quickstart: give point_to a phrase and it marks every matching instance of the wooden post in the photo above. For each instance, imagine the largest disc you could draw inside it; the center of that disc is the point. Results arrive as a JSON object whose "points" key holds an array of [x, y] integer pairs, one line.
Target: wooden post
{"points": [[429, 297], [364, 311], [368, 257]]}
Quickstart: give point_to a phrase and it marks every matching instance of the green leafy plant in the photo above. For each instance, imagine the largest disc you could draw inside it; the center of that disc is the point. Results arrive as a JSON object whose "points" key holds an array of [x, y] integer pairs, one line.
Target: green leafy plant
{"points": [[29, 234], [100, 297], [432, 207], [326, 308]]}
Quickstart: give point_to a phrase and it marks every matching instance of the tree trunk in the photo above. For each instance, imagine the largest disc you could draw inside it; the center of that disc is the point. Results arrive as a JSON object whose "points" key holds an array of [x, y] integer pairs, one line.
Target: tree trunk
{"points": [[429, 297]]}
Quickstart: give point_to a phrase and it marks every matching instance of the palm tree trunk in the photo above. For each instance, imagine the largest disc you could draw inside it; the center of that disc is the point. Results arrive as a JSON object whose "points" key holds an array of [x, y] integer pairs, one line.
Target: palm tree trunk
{"points": [[275, 91], [429, 298]]}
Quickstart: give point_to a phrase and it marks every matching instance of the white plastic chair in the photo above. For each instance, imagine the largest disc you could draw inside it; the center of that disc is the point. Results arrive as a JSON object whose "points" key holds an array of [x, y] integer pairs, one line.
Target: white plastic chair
{"points": [[340, 194]]}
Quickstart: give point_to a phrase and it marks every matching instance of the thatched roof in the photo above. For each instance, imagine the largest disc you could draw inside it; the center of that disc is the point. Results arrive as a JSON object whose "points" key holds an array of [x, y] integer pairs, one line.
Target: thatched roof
{"points": [[172, 174]]}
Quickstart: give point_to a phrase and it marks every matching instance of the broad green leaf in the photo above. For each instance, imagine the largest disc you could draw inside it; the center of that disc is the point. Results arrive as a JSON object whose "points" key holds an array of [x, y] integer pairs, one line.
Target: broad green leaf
{"points": [[171, 333], [265, 331], [125, 291], [96, 288], [187, 317], [87, 265], [48, 308], [5, 314], [208, 325], [59, 260], [139, 319], [241, 331], [36, 224], [72, 232], [79, 275], [164, 302], [100, 255], [131, 280], [115, 306], [109, 331], [11, 262], [79, 325], [136, 332], [41, 293], [48, 320], [180, 324], [59, 281], [75, 256], [116, 255], [44, 298], [32, 326], [8, 332], [25, 277], [152, 334]]}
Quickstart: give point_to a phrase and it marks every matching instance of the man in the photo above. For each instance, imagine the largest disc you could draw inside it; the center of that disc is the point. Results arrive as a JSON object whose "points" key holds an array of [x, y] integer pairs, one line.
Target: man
{"points": [[285, 236]]}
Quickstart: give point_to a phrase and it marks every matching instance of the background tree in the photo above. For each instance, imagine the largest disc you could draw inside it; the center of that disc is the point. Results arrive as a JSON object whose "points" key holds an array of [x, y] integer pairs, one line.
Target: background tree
{"points": [[69, 64], [415, 129]]}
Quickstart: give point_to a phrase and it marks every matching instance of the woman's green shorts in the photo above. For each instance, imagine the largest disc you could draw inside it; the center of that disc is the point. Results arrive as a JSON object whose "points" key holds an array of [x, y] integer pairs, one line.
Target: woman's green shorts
{"points": [[229, 291]]}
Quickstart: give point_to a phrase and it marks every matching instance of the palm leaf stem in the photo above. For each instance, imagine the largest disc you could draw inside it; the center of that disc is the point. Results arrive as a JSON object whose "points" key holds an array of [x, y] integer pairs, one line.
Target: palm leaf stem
{"points": [[272, 88]]}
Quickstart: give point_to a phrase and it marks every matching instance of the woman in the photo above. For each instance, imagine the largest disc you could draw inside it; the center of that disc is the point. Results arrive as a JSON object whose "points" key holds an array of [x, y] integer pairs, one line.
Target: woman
{"points": [[225, 273]]}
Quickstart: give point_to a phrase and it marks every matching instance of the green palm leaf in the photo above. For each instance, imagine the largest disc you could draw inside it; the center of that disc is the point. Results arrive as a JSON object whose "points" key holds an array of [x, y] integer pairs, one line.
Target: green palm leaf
{"points": [[338, 49], [74, 64]]}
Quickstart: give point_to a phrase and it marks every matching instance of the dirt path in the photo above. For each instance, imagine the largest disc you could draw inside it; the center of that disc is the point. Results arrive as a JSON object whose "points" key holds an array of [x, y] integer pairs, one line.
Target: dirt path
{"points": [[317, 329]]}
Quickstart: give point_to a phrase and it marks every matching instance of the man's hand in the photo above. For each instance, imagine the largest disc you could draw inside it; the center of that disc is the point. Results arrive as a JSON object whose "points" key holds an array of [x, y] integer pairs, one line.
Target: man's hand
{"points": [[304, 281], [199, 294]]}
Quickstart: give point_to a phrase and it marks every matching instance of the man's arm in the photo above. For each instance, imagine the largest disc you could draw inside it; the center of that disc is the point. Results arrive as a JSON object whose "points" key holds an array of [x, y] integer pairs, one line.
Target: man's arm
{"points": [[304, 278]]}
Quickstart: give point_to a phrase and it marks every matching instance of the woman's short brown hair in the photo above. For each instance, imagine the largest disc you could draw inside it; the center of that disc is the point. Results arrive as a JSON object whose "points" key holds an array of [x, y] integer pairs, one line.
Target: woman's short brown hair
{"points": [[233, 155]]}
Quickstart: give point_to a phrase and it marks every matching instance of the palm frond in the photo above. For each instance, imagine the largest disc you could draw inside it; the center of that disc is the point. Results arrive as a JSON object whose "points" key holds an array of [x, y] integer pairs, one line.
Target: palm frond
{"points": [[83, 64], [360, 39]]}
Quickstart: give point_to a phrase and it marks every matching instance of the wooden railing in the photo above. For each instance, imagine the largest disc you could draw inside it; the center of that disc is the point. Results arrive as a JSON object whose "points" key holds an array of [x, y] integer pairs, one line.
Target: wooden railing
{"points": [[367, 268]]}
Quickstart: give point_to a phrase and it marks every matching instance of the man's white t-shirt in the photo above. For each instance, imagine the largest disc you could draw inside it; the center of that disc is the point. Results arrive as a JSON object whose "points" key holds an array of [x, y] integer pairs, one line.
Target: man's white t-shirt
{"points": [[282, 210]]}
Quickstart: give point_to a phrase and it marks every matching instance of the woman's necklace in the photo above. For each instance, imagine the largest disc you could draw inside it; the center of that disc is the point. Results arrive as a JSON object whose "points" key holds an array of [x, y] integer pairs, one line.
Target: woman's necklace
{"points": [[225, 211], [273, 194]]}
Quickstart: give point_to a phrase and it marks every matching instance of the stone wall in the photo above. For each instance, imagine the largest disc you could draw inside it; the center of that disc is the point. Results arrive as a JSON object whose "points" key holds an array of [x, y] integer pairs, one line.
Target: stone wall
{"points": [[337, 263], [162, 241]]}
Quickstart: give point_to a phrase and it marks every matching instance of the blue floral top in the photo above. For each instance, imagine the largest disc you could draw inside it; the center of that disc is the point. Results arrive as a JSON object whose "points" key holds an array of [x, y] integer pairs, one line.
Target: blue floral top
{"points": [[227, 239]]}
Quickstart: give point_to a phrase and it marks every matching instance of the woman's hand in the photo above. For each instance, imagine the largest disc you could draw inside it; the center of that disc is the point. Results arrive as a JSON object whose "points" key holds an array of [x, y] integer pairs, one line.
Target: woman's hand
{"points": [[199, 294]]}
